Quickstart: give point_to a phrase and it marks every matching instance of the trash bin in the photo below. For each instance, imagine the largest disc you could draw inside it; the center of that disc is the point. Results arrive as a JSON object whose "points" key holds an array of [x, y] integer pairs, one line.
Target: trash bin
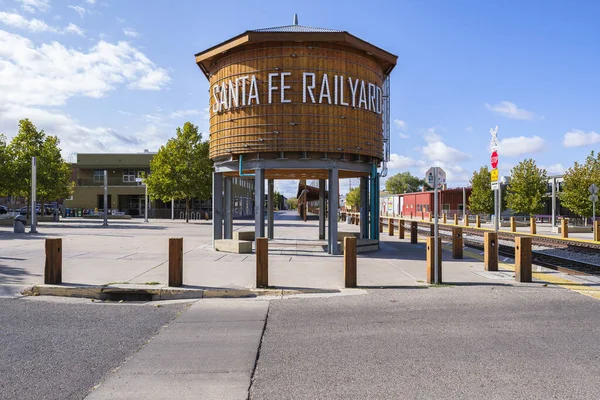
{"points": [[55, 216], [19, 224], [348, 219]]}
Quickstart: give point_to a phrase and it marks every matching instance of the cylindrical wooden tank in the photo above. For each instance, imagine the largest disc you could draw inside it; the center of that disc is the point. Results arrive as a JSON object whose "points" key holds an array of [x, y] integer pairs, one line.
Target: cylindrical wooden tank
{"points": [[316, 96]]}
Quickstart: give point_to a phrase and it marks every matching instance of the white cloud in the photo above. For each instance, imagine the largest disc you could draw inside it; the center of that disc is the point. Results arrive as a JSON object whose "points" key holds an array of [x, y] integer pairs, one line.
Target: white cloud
{"points": [[90, 1], [121, 20], [555, 169], [469, 129], [42, 5], [402, 162], [404, 136], [50, 74], [516, 146], [431, 136], [578, 138], [130, 32], [28, 9], [18, 21], [72, 28], [78, 9], [400, 124], [511, 111], [184, 113], [438, 151]]}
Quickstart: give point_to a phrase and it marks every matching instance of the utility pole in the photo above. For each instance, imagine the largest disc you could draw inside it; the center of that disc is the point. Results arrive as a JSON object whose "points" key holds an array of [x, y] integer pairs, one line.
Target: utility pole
{"points": [[436, 249], [33, 227]]}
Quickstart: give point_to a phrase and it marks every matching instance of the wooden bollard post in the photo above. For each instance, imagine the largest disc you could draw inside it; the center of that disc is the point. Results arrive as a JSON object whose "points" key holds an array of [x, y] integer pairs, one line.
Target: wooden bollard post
{"points": [[401, 229], [53, 266], [597, 231], [262, 262], [564, 228], [478, 221], [466, 220], [357, 220], [431, 258], [413, 232], [490, 251], [431, 229], [411, 215], [532, 226], [457, 243], [443, 218], [513, 224], [430, 217], [422, 216], [350, 262], [455, 219], [390, 226], [523, 259], [380, 225], [176, 262]]}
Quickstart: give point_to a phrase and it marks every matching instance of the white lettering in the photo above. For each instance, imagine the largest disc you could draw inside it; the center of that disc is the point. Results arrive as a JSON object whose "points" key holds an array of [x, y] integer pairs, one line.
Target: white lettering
{"points": [[271, 87], [283, 87], [325, 86], [379, 100], [363, 95], [353, 90], [253, 92], [242, 80], [233, 94], [342, 102], [223, 103], [216, 98], [372, 97], [335, 89], [308, 88]]}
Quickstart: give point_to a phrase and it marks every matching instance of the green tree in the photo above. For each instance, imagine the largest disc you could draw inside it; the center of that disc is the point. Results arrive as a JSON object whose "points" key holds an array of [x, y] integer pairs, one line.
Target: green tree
{"points": [[53, 172], [181, 169], [5, 158], [577, 180], [404, 182], [481, 200], [277, 199], [527, 188], [292, 203], [353, 198]]}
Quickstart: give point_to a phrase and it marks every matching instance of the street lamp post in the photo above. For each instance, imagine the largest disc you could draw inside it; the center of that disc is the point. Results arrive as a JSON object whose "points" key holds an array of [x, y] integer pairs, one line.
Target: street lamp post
{"points": [[141, 181]]}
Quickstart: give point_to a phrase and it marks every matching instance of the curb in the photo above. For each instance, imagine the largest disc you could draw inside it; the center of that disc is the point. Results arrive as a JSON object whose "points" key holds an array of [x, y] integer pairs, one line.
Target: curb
{"points": [[159, 292], [13, 291]]}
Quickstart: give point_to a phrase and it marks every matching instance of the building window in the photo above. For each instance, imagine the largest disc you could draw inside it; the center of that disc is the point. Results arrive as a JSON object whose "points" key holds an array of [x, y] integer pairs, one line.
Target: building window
{"points": [[99, 175], [129, 175], [446, 207]]}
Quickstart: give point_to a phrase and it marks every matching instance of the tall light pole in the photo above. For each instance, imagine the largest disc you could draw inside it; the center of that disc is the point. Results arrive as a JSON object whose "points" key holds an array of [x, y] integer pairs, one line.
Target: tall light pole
{"points": [[105, 198], [33, 227], [436, 249], [145, 202]]}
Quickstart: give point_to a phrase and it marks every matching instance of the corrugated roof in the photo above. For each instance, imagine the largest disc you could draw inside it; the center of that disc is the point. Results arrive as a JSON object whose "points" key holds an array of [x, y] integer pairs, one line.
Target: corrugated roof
{"points": [[295, 28]]}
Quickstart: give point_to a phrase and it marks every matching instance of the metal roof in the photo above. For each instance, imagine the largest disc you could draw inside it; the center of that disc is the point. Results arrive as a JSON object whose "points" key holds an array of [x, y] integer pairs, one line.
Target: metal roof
{"points": [[295, 28]]}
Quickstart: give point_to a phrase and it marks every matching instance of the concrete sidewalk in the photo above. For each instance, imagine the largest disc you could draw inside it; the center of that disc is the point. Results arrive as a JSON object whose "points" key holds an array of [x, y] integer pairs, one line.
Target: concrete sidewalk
{"points": [[136, 253], [209, 352]]}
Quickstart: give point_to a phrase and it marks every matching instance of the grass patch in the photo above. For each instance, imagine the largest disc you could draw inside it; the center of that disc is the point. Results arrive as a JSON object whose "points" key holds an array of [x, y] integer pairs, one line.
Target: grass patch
{"points": [[115, 283], [152, 283]]}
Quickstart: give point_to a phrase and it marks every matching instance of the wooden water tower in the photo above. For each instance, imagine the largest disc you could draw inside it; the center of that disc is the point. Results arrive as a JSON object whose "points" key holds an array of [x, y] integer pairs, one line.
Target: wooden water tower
{"points": [[296, 102]]}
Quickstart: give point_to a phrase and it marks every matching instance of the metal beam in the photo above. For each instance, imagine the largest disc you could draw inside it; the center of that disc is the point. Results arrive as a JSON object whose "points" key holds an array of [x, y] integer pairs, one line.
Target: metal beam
{"points": [[217, 207], [364, 208], [259, 203], [233, 166], [333, 211], [270, 211], [321, 209], [227, 206]]}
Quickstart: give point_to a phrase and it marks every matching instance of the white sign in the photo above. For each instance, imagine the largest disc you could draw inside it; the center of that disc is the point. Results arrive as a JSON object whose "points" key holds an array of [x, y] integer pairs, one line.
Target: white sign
{"points": [[593, 189], [593, 197], [441, 179], [494, 141], [244, 91], [495, 185]]}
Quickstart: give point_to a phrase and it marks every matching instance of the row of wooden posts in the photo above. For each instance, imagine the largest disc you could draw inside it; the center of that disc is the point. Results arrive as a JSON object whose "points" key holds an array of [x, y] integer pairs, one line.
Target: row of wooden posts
{"points": [[53, 265], [564, 224]]}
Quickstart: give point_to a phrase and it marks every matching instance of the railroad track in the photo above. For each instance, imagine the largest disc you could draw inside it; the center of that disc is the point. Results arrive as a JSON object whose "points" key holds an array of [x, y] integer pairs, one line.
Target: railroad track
{"points": [[562, 264]]}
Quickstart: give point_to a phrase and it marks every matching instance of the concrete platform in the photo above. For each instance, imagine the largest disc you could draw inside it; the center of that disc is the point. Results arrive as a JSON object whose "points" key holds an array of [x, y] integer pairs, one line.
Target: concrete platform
{"points": [[244, 235], [233, 246]]}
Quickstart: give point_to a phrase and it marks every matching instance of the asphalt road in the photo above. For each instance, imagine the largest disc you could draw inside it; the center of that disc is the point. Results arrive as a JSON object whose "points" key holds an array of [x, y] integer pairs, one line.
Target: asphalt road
{"points": [[462, 342], [61, 348]]}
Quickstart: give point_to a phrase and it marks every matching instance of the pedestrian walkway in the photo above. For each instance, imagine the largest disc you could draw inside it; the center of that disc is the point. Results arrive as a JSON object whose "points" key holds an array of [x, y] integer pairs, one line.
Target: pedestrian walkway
{"points": [[134, 252], [209, 352]]}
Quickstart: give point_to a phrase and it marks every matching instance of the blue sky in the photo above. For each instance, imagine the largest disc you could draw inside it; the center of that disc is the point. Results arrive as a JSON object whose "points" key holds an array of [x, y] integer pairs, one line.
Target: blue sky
{"points": [[108, 75]]}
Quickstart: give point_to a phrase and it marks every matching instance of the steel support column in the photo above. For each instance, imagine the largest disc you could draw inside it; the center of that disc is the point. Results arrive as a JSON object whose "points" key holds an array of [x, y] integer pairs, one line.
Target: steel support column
{"points": [[259, 203], [364, 207], [227, 209], [217, 207], [333, 211], [270, 211], [321, 209]]}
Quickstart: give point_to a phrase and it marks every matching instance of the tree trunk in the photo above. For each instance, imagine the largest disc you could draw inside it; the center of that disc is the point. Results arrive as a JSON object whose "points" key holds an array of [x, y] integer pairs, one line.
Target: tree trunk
{"points": [[187, 209]]}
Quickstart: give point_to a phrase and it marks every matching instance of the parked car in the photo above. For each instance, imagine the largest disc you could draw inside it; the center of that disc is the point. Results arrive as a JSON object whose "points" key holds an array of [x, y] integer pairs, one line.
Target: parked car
{"points": [[3, 210], [23, 210]]}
